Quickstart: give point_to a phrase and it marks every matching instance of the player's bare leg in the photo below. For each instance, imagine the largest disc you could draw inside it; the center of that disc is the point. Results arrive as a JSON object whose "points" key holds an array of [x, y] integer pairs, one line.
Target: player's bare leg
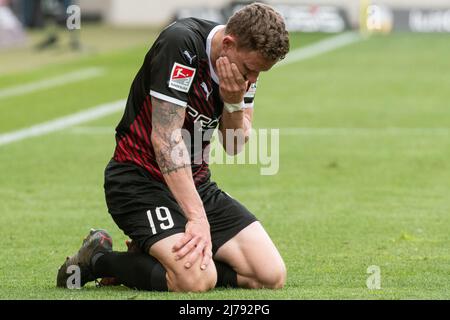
{"points": [[254, 257], [180, 278]]}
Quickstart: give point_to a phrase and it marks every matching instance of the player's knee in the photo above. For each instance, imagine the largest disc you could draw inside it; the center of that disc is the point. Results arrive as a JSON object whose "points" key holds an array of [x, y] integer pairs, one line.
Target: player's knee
{"points": [[278, 279], [272, 277], [192, 280], [195, 283]]}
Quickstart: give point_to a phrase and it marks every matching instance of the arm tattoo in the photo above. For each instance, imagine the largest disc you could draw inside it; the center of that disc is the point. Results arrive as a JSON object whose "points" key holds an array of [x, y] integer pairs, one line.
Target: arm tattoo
{"points": [[170, 151]]}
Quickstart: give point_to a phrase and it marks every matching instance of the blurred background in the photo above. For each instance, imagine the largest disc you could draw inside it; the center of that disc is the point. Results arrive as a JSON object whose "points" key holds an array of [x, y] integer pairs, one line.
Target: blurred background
{"points": [[37, 25]]}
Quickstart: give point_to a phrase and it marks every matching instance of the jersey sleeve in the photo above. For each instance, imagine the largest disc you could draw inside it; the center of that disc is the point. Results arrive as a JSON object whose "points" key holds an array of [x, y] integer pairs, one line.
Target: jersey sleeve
{"points": [[249, 97], [173, 65]]}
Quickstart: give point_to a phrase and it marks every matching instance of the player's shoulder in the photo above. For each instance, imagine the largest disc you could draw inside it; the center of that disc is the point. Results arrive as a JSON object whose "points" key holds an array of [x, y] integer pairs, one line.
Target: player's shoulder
{"points": [[191, 31]]}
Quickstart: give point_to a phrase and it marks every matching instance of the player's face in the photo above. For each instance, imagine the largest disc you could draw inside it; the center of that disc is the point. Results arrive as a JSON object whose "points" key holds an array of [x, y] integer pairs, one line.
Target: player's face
{"points": [[249, 63]]}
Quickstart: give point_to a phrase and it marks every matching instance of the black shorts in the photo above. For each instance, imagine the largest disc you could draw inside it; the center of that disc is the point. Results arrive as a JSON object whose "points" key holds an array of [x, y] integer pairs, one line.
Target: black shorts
{"points": [[146, 211]]}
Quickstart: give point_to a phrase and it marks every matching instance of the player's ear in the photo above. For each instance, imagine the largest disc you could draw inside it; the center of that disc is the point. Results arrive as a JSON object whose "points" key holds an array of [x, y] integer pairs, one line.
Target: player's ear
{"points": [[229, 42]]}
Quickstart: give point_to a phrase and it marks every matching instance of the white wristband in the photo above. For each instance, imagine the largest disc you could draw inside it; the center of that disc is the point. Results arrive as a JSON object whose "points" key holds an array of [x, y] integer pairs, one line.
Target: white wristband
{"points": [[232, 107]]}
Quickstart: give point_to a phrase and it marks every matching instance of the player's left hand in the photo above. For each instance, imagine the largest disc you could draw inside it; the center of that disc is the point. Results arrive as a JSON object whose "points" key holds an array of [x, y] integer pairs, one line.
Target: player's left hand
{"points": [[232, 84], [195, 244]]}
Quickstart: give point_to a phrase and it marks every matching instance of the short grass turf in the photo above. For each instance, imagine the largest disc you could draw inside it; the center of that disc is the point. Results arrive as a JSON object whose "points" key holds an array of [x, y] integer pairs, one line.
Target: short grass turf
{"points": [[350, 192]]}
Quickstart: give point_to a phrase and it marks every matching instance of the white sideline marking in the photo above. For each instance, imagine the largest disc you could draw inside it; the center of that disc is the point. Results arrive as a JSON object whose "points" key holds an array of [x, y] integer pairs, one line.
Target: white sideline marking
{"points": [[63, 122], [99, 130], [57, 81], [319, 48]]}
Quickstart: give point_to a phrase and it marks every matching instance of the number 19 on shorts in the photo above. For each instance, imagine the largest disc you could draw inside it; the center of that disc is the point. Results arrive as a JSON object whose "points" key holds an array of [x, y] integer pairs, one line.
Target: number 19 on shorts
{"points": [[163, 217]]}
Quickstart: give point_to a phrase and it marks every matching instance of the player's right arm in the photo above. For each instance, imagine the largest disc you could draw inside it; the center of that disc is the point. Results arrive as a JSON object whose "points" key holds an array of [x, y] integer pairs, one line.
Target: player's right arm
{"points": [[174, 162]]}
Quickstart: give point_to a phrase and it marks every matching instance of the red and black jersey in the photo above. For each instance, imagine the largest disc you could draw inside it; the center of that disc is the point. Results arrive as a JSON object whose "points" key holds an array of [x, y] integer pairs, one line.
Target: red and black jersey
{"points": [[176, 69]]}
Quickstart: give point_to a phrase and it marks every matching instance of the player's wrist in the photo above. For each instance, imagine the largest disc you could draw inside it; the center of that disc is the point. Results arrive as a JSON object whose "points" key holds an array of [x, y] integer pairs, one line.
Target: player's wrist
{"points": [[199, 218], [233, 107], [198, 215]]}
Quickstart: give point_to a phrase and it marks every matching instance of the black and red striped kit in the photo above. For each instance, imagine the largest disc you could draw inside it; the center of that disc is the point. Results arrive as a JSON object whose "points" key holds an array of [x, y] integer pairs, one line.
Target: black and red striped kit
{"points": [[177, 69]]}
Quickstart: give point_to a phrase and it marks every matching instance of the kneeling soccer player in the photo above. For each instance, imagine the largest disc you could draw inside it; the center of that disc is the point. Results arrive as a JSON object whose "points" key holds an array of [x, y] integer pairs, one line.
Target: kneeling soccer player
{"points": [[189, 234]]}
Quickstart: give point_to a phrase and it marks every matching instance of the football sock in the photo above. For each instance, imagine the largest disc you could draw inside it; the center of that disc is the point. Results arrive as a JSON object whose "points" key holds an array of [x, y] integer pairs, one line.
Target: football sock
{"points": [[226, 276], [144, 272], [134, 270]]}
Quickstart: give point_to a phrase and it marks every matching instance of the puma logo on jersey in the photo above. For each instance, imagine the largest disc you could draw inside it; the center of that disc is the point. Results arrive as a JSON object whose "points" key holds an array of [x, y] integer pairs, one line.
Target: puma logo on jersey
{"points": [[205, 88], [188, 55]]}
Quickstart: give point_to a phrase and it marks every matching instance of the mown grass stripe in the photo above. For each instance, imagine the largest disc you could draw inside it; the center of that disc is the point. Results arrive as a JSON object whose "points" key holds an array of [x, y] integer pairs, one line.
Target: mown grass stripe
{"points": [[63, 122], [57, 81]]}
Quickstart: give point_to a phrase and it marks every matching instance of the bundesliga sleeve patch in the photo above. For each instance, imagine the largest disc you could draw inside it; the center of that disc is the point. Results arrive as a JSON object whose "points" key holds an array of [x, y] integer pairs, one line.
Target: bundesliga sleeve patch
{"points": [[181, 77]]}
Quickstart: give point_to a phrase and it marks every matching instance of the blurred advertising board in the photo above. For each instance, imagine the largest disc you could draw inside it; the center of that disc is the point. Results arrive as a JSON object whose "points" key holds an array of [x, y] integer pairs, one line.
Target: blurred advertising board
{"points": [[422, 20], [303, 18], [383, 19]]}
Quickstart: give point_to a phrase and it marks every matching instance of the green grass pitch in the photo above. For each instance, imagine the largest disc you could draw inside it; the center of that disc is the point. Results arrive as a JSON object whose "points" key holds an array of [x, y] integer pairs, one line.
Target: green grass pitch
{"points": [[350, 192]]}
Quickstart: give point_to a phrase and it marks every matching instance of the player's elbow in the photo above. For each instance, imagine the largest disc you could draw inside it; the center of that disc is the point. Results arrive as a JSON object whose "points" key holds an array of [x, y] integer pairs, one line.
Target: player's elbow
{"points": [[232, 152], [234, 144], [233, 149]]}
